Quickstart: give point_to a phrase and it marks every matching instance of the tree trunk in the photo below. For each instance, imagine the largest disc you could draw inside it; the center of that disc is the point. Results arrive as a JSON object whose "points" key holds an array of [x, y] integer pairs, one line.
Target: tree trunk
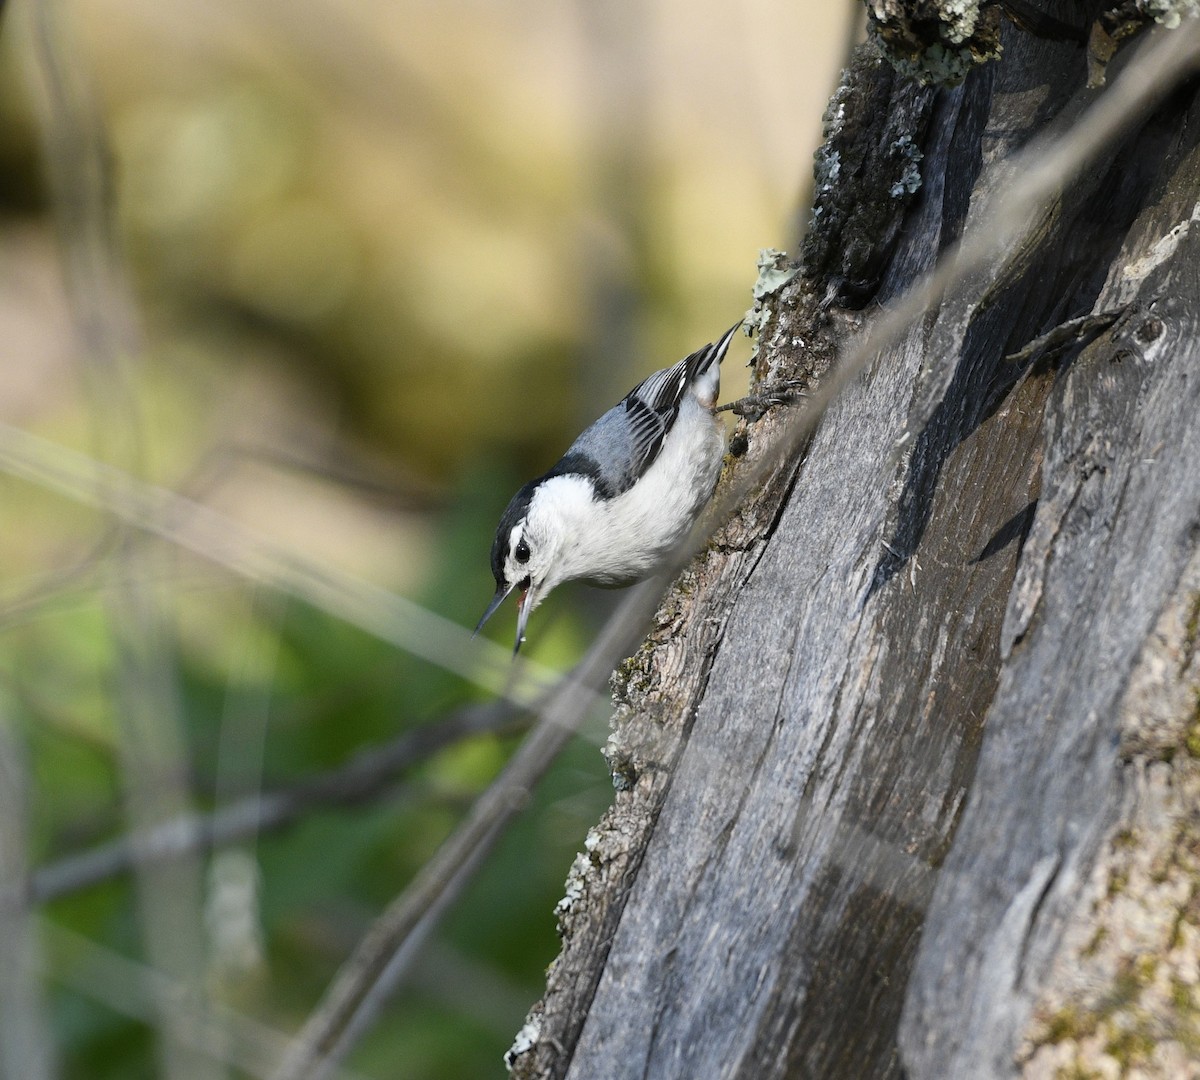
{"points": [[909, 769]]}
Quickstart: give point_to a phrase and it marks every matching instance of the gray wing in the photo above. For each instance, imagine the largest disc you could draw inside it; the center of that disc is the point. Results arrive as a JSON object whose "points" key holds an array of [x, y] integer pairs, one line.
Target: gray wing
{"points": [[619, 447]]}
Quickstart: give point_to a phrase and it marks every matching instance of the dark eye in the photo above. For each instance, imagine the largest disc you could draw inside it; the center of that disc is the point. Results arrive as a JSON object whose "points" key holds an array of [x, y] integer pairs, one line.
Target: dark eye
{"points": [[522, 552]]}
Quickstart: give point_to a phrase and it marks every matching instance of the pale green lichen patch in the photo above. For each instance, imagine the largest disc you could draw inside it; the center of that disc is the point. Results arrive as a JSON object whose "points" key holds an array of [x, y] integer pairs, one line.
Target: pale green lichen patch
{"points": [[525, 1041], [1192, 741], [1192, 628], [960, 17], [940, 65], [1170, 13], [775, 270], [936, 41], [575, 888], [1122, 998], [1128, 999], [910, 177]]}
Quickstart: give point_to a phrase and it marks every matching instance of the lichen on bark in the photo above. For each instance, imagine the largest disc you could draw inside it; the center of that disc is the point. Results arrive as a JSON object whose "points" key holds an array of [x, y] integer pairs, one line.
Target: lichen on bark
{"points": [[935, 41], [867, 172], [1123, 997]]}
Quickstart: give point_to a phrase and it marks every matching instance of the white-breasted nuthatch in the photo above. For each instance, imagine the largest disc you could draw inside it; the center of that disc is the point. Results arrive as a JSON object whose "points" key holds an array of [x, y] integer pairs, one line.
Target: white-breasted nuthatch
{"points": [[625, 493]]}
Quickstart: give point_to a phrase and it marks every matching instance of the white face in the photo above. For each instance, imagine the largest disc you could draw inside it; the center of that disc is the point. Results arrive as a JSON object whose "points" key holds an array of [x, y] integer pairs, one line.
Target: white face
{"points": [[529, 556], [530, 560], [526, 565]]}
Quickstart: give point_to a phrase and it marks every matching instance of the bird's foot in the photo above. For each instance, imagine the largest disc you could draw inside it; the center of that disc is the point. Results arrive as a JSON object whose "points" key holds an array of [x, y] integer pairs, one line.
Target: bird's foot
{"points": [[754, 406]]}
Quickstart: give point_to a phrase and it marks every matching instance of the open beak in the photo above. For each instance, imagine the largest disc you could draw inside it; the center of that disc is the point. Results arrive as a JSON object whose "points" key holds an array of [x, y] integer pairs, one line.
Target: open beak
{"points": [[526, 602], [501, 592]]}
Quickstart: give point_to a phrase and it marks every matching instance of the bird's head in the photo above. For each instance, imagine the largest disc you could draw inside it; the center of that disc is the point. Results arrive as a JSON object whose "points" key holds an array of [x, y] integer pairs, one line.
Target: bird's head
{"points": [[526, 553]]}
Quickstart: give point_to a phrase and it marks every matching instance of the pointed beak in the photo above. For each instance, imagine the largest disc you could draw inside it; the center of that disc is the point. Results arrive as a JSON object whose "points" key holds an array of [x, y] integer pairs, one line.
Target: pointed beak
{"points": [[526, 602], [501, 592]]}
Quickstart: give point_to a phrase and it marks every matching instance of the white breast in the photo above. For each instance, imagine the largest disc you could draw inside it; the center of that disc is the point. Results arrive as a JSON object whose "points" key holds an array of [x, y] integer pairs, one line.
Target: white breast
{"points": [[627, 538]]}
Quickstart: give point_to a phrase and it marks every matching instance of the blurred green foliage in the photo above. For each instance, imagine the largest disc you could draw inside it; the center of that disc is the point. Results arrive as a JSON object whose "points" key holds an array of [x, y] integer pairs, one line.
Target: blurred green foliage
{"points": [[330, 692], [386, 261]]}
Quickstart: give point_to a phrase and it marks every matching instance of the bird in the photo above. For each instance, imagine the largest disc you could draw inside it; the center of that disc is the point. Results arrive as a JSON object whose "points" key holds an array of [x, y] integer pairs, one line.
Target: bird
{"points": [[623, 496]]}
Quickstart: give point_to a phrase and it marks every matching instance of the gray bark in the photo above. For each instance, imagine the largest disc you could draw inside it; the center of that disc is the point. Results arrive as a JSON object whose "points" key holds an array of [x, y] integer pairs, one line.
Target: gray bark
{"points": [[907, 771]]}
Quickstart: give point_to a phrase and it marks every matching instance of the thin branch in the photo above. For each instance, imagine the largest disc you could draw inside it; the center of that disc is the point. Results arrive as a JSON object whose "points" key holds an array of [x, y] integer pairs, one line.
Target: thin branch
{"points": [[56, 587], [150, 742], [26, 1048], [1074, 333], [378, 962], [227, 543], [365, 776], [137, 991]]}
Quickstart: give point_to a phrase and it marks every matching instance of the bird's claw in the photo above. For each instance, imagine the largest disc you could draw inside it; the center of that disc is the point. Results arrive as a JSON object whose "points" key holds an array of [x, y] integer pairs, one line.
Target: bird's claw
{"points": [[754, 406]]}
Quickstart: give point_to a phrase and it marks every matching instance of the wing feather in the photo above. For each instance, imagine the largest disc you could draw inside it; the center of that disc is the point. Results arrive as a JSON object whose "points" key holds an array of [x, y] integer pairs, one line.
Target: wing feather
{"points": [[619, 447]]}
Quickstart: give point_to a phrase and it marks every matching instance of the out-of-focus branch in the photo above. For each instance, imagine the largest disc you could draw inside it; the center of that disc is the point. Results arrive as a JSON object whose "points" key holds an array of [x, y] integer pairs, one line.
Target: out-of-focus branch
{"points": [[378, 963], [26, 1049], [229, 544], [215, 1031], [55, 587], [365, 776], [151, 745]]}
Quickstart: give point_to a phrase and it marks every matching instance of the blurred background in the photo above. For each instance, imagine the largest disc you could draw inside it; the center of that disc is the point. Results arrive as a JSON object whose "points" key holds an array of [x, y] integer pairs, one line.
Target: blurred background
{"points": [[368, 268]]}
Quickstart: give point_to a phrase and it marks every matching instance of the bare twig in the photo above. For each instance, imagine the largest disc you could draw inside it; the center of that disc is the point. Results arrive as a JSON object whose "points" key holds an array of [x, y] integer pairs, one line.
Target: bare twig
{"points": [[26, 1049], [50, 588], [229, 544], [214, 1031], [1074, 333], [378, 962], [366, 776], [151, 746]]}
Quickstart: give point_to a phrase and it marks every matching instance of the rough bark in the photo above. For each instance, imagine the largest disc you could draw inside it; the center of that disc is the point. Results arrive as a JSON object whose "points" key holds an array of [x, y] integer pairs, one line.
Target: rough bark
{"points": [[907, 772]]}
